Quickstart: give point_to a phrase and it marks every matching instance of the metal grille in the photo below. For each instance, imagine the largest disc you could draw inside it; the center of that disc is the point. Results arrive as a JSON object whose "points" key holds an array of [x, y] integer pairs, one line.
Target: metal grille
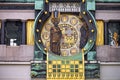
{"points": [[65, 70]]}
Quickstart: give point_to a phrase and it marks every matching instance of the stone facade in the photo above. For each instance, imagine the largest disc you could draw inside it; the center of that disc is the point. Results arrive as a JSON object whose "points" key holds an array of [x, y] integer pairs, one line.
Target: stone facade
{"points": [[108, 53], [16, 53]]}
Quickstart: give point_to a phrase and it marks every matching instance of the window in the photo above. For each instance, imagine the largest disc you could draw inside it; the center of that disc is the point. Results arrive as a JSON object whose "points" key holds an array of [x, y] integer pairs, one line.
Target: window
{"points": [[114, 33], [13, 32]]}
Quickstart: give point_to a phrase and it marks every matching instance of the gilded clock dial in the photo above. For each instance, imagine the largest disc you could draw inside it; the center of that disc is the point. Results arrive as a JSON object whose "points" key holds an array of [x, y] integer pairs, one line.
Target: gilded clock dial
{"points": [[70, 27], [69, 36]]}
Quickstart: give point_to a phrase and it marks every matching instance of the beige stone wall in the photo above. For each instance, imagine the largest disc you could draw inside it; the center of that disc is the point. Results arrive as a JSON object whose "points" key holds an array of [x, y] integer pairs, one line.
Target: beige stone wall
{"points": [[16, 53], [17, 14], [21, 71], [108, 53], [15, 72]]}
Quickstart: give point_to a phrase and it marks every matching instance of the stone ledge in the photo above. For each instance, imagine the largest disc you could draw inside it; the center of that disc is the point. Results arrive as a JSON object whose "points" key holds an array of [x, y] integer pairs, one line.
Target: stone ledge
{"points": [[110, 63], [15, 63]]}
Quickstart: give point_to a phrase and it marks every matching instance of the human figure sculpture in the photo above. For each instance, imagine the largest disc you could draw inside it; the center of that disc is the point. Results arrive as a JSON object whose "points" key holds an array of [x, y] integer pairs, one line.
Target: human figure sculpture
{"points": [[115, 38], [55, 34]]}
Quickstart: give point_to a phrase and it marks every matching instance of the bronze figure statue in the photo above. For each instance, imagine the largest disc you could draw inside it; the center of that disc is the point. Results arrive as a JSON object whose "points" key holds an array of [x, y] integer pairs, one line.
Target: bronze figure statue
{"points": [[55, 34]]}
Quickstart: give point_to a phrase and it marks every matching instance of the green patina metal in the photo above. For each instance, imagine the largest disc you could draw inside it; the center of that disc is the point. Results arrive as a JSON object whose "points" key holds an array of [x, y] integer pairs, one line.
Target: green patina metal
{"points": [[92, 70], [91, 56], [38, 70], [90, 4], [38, 4], [89, 44], [56, 57], [38, 50]]}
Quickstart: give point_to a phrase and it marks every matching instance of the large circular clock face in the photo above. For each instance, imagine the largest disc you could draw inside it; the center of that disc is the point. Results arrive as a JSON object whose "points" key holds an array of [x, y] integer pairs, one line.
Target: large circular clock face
{"points": [[70, 26]]}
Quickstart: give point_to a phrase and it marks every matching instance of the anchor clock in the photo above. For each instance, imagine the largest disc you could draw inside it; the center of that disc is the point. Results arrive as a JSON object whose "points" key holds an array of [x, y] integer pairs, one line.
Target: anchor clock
{"points": [[65, 32]]}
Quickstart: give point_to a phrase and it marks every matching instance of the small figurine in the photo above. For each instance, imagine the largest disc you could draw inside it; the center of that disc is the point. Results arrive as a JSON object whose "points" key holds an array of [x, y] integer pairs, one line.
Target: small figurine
{"points": [[115, 38]]}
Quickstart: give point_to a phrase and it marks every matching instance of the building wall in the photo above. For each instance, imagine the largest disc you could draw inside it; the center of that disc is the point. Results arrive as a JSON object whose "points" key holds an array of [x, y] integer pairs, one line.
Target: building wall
{"points": [[108, 14], [15, 71], [16, 53], [110, 71], [17, 14], [21, 70]]}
